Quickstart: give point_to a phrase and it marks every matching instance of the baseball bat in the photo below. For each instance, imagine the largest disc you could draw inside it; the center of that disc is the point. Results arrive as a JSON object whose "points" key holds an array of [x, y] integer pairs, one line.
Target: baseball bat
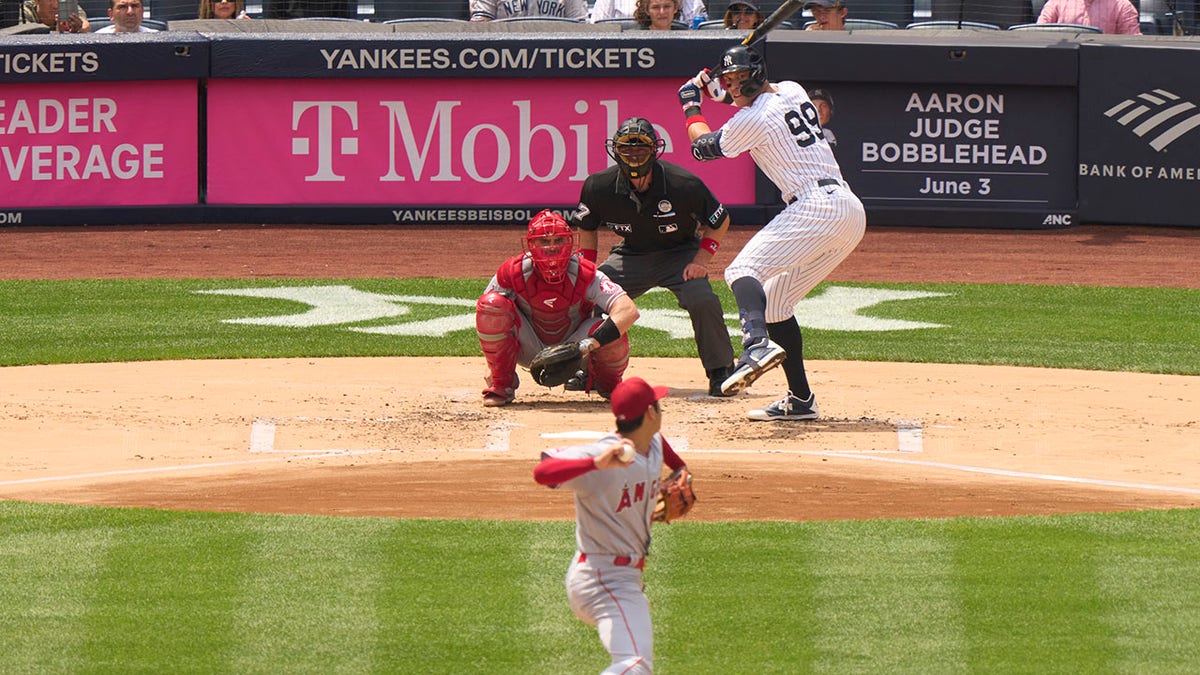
{"points": [[777, 17]]}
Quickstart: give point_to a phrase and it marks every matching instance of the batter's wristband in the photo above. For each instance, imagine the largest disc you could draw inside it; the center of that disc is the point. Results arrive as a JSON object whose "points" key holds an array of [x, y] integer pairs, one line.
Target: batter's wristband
{"points": [[589, 254], [710, 245], [693, 117], [607, 332]]}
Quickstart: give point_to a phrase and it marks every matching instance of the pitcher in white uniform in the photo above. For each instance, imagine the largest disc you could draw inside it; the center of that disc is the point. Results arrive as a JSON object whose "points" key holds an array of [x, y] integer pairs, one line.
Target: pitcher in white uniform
{"points": [[614, 501], [820, 225]]}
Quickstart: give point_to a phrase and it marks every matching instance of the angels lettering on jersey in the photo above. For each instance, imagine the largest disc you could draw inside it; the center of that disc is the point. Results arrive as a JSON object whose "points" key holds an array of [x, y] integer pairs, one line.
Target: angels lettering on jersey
{"points": [[638, 495]]}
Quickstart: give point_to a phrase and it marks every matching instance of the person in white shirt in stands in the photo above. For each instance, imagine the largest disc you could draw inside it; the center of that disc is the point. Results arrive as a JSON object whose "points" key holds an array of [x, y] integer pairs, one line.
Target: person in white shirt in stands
{"points": [[126, 17], [490, 10], [693, 10]]}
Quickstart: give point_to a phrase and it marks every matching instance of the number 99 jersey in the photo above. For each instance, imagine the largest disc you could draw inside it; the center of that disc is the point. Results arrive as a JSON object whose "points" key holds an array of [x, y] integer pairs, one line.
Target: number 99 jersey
{"points": [[782, 131]]}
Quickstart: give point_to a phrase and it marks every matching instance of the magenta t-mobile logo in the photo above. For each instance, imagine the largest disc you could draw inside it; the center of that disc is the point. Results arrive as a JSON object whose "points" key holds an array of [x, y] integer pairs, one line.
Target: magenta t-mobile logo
{"points": [[347, 145]]}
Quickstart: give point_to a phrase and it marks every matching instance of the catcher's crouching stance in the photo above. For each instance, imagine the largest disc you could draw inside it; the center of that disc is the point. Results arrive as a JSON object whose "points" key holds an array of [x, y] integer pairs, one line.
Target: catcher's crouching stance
{"points": [[616, 481], [545, 297]]}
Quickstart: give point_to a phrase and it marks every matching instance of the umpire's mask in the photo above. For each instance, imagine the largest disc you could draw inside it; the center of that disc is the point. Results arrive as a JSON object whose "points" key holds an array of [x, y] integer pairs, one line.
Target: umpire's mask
{"points": [[635, 147]]}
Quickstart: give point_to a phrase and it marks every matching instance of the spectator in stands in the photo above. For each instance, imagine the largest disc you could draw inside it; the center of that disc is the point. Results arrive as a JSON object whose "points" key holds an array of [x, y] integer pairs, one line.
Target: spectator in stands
{"points": [[490, 10], [657, 14], [126, 17], [46, 12], [827, 15], [824, 102], [1110, 16], [223, 9], [741, 15], [692, 14]]}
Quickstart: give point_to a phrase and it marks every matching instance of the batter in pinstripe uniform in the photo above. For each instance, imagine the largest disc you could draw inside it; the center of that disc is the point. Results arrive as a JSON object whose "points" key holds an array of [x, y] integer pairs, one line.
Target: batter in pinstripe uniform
{"points": [[820, 225]]}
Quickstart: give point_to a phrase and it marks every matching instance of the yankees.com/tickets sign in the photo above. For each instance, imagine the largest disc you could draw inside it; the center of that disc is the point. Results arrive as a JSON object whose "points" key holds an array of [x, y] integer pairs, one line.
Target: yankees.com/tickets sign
{"points": [[429, 142], [1004, 153], [98, 144]]}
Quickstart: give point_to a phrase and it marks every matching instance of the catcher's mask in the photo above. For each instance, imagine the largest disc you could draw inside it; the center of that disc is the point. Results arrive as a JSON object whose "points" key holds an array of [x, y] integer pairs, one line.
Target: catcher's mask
{"points": [[741, 58], [550, 242], [635, 147]]}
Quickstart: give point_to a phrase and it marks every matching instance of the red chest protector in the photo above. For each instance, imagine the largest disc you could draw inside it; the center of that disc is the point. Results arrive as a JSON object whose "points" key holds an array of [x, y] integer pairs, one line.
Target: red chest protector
{"points": [[556, 309]]}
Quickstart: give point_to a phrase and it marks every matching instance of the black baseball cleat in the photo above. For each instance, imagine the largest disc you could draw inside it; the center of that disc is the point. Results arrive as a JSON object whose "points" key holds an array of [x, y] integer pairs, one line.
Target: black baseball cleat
{"points": [[577, 382], [717, 377], [756, 359]]}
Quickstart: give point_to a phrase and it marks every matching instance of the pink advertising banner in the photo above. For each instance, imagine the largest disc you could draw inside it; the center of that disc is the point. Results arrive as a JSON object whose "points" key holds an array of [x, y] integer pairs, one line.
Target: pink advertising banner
{"points": [[99, 144], [429, 142]]}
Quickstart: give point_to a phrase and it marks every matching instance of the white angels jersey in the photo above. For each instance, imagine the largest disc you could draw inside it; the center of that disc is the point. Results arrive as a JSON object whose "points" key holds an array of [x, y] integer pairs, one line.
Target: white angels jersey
{"points": [[613, 506]]}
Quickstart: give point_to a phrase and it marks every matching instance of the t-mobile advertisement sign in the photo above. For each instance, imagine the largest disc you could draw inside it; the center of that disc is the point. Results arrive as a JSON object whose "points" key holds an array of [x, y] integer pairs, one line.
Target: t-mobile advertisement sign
{"points": [[98, 144], [427, 142]]}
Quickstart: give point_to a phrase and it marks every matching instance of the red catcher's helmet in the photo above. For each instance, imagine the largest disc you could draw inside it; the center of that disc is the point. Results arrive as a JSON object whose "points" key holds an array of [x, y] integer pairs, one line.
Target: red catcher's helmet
{"points": [[550, 243]]}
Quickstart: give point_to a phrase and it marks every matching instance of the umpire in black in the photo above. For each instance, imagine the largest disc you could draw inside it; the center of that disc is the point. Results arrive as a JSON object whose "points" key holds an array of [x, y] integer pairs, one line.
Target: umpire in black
{"points": [[671, 226]]}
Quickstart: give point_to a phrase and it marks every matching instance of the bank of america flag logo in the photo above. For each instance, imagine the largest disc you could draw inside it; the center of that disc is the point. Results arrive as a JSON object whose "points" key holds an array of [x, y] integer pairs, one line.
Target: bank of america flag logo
{"points": [[1157, 115]]}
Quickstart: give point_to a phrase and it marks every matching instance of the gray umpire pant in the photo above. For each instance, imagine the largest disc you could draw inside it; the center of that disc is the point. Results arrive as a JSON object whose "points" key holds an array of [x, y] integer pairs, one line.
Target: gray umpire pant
{"points": [[640, 272]]}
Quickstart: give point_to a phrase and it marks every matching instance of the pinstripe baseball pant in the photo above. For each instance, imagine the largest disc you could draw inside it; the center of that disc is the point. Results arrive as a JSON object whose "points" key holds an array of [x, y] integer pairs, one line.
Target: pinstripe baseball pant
{"points": [[800, 246]]}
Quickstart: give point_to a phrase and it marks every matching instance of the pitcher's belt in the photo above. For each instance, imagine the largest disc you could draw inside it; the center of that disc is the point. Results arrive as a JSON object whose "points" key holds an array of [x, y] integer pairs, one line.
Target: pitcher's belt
{"points": [[619, 561]]}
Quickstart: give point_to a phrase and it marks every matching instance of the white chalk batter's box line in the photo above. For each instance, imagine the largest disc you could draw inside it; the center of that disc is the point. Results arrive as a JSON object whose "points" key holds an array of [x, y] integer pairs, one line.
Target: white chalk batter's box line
{"points": [[909, 441]]}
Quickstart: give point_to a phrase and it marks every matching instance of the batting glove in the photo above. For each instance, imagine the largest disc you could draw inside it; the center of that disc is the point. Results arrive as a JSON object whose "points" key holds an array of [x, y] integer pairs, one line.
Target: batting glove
{"points": [[711, 87], [689, 98]]}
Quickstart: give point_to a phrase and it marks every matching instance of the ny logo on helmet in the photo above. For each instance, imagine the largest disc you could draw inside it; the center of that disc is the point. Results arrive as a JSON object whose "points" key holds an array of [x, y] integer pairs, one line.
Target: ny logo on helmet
{"points": [[727, 61]]}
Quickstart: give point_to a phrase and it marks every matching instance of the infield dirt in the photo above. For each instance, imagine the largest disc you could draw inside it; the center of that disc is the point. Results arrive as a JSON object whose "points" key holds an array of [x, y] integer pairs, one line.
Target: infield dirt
{"points": [[377, 437]]}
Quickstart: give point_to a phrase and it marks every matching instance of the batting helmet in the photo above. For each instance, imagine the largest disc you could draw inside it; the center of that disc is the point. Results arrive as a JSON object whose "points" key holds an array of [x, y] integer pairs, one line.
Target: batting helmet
{"points": [[550, 242], [739, 58], [635, 147]]}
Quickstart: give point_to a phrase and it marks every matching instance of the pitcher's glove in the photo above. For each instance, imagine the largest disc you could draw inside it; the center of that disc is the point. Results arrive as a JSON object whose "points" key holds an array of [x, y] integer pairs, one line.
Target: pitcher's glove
{"points": [[556, 364], [675, 496]]}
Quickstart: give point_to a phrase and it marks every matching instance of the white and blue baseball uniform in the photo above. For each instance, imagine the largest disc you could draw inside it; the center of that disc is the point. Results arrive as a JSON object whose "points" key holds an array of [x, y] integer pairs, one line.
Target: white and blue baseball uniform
{"points": [[822, 221]]}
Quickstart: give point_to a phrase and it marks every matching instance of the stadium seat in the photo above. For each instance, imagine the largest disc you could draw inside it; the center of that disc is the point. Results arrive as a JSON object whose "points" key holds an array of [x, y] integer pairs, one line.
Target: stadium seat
{"points": [[1001, 13], [1055, 28], [387, 10], [161, 10], [543, 19], [712, 24], [870, 24], [1157, 17], [626, 22], [952, 25], [426, 19], [899, 12]]}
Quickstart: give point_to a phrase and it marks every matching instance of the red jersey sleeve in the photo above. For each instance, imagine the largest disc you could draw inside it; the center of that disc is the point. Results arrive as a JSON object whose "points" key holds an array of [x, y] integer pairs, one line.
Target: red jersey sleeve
{"points": [[558, 470], [672, 460]]}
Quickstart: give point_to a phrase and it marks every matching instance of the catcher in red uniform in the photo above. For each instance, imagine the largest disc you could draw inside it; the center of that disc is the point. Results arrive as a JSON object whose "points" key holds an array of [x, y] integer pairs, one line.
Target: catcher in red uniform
{"points": [[544, 298]]}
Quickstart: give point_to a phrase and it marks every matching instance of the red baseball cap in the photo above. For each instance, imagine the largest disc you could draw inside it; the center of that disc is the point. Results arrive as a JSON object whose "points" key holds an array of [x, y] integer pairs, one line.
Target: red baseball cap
{"points": [[633, 397]]}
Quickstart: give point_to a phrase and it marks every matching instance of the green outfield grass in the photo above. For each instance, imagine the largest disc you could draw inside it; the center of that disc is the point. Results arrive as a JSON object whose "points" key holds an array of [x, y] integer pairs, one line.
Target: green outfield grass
{"points": [[94, 590], [136, 590], [1132, 329]]}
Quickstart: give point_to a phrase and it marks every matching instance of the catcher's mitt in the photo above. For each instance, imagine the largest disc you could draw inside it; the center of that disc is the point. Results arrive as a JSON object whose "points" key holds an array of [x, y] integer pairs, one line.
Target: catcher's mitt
{"points": [[675, 496], [556, 364]]}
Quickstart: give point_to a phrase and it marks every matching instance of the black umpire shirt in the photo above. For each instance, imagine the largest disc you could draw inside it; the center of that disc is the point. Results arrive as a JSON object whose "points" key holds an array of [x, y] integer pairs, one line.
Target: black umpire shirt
{"points": [[663, 217]]}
